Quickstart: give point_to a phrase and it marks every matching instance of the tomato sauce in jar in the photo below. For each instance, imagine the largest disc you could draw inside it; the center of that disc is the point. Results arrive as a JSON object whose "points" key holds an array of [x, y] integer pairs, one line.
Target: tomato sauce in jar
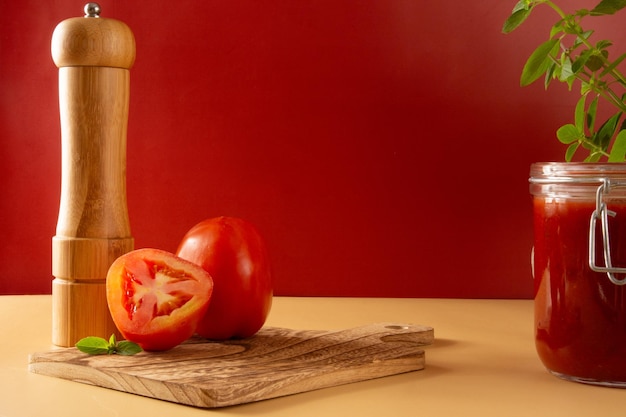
{"points": [[580, 314]]}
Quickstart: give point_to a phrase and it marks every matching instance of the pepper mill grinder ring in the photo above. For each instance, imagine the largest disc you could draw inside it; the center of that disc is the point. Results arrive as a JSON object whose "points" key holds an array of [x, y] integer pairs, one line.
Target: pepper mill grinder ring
{"points": [[94, 56]]}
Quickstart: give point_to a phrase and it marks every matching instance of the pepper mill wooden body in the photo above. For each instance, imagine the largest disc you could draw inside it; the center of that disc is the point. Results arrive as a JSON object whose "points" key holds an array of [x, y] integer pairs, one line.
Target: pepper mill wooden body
{"points": [[94, 56]]}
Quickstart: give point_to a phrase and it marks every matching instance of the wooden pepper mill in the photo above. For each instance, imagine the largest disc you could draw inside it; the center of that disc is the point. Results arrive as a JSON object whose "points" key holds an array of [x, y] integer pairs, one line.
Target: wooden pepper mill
{"points": [[94, 56]]}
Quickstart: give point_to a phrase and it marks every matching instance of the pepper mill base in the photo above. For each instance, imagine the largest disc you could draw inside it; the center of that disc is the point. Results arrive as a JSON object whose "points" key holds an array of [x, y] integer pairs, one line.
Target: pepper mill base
{"points": [[79, 309]]}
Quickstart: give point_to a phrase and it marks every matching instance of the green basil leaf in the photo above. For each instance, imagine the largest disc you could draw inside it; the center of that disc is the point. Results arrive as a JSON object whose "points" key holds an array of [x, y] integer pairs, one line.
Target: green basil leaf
{"points": [[566, 70], [608, 7], [539, 62], [93, 345], [518, 17], [618, 151], [550, 75], [521, 5], [579, 114], [568, 134], [593, 157], [580, 61], [613, 65], [127, 348], [571, 150], [606, 132], [594, 63], [591, 115]]}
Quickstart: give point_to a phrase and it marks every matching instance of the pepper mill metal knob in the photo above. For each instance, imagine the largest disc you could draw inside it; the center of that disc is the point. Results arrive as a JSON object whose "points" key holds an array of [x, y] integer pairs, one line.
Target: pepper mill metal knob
{"points": [[92, 10], [94, 56]]}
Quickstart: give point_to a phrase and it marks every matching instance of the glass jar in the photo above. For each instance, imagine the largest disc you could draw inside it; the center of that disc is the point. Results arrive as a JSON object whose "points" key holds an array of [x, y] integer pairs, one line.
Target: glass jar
{"points": [[579, 270]]}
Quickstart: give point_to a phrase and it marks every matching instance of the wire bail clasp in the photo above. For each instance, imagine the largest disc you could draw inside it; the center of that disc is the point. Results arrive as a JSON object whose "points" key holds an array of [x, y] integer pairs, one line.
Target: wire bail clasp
{"points": [[602, 213]]}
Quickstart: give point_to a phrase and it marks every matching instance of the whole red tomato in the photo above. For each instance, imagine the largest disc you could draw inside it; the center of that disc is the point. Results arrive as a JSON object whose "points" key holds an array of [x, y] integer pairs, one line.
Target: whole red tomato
{"points": [[156, 299], [234, 254]]}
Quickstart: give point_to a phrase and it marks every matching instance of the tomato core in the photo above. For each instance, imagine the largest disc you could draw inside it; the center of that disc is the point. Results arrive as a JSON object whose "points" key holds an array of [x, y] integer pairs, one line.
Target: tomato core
{"points": [[157, 298], [162, 281]]}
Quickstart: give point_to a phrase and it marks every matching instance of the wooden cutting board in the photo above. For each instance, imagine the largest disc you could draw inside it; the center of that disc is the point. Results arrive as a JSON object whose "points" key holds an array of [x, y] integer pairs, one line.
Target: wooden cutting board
{"points": [[273, 363]]}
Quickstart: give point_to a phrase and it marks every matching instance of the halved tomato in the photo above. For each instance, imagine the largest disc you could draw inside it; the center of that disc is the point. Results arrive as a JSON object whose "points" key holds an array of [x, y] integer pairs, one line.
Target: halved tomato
{"points": [[156, 299]]}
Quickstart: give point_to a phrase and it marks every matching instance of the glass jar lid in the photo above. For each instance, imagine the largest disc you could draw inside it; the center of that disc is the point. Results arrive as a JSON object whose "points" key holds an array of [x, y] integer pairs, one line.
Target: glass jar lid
{"points": [[579, 180]]}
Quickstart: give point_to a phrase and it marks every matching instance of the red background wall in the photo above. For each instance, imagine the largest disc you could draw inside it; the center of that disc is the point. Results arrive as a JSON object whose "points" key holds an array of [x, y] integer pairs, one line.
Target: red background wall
{"points": [[381, 147]]}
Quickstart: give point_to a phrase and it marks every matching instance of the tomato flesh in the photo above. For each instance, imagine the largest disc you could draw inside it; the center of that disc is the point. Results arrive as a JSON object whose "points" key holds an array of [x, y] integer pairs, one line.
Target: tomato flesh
{"points": [[156, 299], [232, 251]]}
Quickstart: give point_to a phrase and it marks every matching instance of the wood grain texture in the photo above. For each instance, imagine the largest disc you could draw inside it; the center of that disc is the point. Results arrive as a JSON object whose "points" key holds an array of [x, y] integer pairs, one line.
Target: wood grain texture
{"points": [[93, 105], [93, 228], [80, 310], [96, 42], [275, 362]]}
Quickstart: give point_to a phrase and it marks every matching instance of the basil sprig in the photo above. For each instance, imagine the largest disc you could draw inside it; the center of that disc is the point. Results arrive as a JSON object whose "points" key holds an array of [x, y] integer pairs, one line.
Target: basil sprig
{"points": [[98, 346]]}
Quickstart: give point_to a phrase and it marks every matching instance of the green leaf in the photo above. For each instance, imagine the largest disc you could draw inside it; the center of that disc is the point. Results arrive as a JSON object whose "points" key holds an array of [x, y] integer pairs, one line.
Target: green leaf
{"points": [[570, 25], [594, 62], [582, 12], [566, 70], [550, 74], [603, 44], [606, 131], [594, 157], [613, 65], [521, 5], [618, 151], [568, 134], [571, 150], [539, 62], [608, 7], [521, 11], [580, 38], [591, 115], [127, 348], [556, 29], [112, 344], [579, 114], [99, 346], [93, 345], [580, 62]]}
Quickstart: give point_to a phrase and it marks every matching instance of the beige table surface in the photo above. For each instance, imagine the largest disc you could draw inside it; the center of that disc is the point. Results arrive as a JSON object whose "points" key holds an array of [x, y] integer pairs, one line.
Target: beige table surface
{"points": [[483, 364]]}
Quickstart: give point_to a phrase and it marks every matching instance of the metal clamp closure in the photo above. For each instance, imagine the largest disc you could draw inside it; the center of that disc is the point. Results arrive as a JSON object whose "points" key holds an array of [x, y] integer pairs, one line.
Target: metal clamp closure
{"points": [[602, 214]]}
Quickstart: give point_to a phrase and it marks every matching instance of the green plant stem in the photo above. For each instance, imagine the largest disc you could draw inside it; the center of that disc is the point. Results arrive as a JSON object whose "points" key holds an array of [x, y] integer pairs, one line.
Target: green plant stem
{"points": [[606, 93], [570, 57], [554, 7], [594, 148]]}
